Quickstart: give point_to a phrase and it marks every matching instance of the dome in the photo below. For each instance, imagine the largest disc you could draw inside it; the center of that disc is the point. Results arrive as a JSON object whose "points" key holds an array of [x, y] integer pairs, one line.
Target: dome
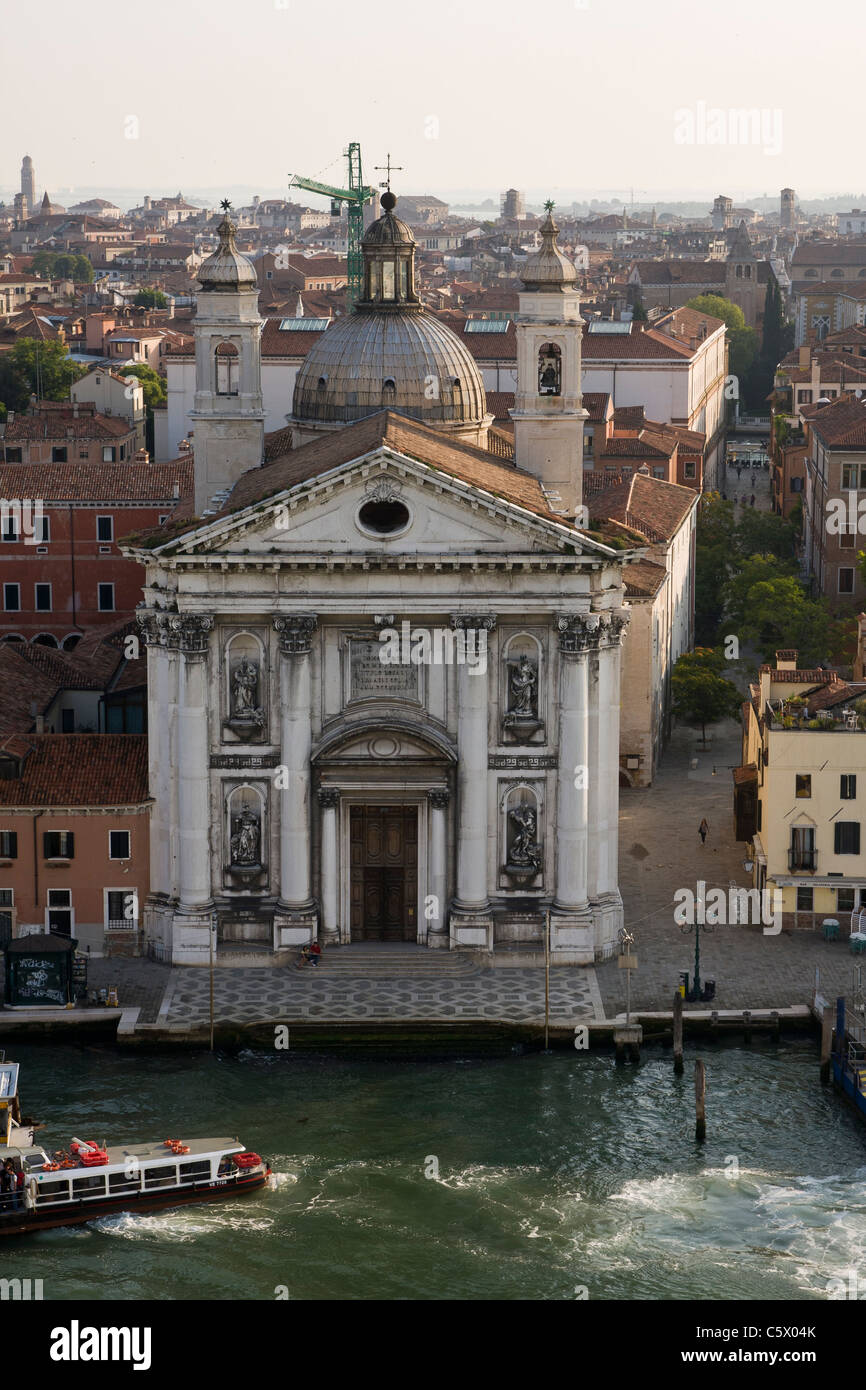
{"points": [[548, 270], [376, 361], [388, 229], [227, 269], [389, 354]]}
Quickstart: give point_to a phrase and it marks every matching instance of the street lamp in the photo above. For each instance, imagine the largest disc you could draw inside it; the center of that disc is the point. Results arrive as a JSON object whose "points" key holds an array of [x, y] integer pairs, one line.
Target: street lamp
{"points": [[695, 992]]}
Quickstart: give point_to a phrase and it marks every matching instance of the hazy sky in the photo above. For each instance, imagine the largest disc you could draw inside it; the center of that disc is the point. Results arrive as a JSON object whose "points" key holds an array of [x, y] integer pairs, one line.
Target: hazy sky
{"points": [[590, 95]]}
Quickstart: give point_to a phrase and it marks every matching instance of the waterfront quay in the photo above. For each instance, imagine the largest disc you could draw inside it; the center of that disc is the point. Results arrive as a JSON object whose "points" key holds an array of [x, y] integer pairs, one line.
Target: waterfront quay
{"points": [[378, 991]]}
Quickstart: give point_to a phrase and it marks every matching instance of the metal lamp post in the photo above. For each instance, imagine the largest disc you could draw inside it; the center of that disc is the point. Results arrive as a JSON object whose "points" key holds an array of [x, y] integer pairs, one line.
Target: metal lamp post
{"points": [[697, 927]]}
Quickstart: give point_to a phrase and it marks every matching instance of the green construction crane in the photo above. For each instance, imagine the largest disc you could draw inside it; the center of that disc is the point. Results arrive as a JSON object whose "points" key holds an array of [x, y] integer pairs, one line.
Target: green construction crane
{"points": [[355, 196]]}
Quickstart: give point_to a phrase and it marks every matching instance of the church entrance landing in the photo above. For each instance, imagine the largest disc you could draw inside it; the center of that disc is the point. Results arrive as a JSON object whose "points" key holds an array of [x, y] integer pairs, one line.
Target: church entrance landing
{"points": [[383, 844]]}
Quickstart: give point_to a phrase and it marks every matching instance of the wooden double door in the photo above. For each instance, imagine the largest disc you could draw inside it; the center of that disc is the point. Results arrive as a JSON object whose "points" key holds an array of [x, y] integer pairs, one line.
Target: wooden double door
{"points": [[384, 872]]}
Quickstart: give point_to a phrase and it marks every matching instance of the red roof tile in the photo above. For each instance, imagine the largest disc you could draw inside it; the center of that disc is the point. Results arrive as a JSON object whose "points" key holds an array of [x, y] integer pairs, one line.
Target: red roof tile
{"points": [[80, 770]]}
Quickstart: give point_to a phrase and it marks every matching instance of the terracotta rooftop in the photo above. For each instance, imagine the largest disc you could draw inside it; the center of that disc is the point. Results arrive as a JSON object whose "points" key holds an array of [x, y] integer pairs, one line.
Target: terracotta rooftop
{"points": [[842, 424], [98, 482], [64, 423], [463, 462], [643, 577], [651, 502], [80, 770]]}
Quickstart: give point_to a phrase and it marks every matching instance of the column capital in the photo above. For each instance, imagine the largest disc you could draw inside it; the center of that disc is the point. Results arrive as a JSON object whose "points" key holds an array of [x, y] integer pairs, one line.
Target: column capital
{"points": [[192, 632], [578, 632], [439, 797], [462, 621], [295, 632], [329, 798]]}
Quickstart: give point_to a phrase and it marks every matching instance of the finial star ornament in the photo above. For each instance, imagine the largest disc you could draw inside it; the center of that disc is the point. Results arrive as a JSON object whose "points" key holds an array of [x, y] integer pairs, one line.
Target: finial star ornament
{"points": [[226, 205], [549, 205]]}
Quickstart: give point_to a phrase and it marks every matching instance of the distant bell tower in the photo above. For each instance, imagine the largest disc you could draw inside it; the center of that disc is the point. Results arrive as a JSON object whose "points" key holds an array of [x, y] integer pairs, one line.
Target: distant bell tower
{"points": [[548, 409], [28, 185], [228, 417]]}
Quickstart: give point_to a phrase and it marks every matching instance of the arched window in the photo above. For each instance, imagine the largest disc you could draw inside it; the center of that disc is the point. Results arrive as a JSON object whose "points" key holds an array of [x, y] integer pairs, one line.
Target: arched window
{"points": [[389, 391], [549, 370], [835, 274], [227, 369], [748, 272], [739, 272]]}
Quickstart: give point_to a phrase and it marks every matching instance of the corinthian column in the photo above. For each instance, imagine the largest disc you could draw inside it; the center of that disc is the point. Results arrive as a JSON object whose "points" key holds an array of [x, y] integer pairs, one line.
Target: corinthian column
{"points": [[438, 800], [604, 787], [191, 926], [471, 919], [329, 800], [571, 921], [295, 916]]}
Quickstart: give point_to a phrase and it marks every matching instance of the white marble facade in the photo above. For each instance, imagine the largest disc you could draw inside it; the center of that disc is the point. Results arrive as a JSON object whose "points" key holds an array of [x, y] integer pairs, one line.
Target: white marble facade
{"points": [[272, 714]]}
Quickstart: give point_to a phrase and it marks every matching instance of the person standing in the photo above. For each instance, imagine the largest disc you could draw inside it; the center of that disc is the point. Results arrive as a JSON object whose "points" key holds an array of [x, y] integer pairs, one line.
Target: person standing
{"points": [[703, 830]]}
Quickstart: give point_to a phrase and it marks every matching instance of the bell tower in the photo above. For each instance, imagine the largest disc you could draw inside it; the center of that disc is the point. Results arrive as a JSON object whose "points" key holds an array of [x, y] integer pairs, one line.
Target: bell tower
{"points": [[548, 409], [228, 416]]}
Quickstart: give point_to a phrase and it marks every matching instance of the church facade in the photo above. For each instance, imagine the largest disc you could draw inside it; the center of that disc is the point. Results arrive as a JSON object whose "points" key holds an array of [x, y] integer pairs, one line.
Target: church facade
{"points": [[384, 670]]}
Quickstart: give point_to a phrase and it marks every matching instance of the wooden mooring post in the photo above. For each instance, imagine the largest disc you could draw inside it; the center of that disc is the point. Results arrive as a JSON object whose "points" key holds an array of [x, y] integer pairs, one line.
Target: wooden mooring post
{"points": [[826, 1042], [700, 1102], [678, 1034]]}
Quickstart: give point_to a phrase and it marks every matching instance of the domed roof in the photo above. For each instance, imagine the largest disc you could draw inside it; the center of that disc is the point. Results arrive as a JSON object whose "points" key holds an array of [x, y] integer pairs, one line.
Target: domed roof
{"points": [[548, 270], [227, 269], [388, 230], [406, 361]]}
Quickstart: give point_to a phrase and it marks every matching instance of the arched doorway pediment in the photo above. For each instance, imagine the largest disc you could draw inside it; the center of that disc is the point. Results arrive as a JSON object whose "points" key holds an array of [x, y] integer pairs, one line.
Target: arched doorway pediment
{"points": [[384, 740]]}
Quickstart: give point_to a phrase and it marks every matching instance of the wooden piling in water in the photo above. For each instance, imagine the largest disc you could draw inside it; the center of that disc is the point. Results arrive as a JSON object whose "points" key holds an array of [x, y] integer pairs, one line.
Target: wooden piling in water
{"points": [[700, 1102], [747, 1025], [826, 1042], [678, 1034]]}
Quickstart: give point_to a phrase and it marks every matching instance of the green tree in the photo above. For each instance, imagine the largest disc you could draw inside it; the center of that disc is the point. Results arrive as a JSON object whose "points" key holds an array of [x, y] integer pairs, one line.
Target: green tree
{"points": [[150, 299], [154, 389], [742, 355], [46, 367], [714, 553], [725, 309], [764, 533], [14, 387], [755, 570], [779, 614], [43, 264], [152, 383], [700, 694]]}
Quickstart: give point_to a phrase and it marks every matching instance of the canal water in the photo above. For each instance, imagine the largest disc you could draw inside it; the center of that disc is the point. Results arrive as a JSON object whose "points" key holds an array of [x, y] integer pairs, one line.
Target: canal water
{"points": [[523, 1177]]}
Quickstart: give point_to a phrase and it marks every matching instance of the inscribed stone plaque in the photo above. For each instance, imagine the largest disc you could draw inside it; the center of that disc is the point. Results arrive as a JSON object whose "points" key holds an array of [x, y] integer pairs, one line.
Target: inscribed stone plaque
{"points": [[370, 677]]}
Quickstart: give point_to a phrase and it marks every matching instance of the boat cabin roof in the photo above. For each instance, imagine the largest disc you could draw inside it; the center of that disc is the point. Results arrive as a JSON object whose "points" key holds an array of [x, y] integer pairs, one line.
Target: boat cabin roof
{"points": [[146, 1154]]}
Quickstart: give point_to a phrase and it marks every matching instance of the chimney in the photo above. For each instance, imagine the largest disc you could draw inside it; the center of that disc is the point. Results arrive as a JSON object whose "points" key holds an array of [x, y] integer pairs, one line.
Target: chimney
{"points": [[804, 355], [786, 660]]}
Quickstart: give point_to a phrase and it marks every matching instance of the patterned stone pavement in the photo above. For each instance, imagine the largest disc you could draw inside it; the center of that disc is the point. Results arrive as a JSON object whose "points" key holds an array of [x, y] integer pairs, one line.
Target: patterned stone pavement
{"points": [[461, 991]]}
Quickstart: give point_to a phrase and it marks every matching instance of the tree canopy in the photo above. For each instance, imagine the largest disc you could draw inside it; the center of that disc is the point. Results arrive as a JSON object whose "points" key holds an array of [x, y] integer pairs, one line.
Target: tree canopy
{"points": [[700, 694], [34, 367], [150, 299], [61, 265]]}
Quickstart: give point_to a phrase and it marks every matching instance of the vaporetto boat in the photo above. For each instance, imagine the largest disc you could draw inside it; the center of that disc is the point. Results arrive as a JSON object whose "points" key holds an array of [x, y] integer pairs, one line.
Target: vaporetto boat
{"points": [[92, 1180]]}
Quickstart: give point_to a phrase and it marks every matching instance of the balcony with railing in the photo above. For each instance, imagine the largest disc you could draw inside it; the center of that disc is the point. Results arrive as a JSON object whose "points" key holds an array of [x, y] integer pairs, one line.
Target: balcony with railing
{"points": [[802, 861]]}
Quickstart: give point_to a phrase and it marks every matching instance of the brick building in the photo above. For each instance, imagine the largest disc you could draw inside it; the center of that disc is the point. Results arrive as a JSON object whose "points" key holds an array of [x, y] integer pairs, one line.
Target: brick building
{"points": [[68, 574]]}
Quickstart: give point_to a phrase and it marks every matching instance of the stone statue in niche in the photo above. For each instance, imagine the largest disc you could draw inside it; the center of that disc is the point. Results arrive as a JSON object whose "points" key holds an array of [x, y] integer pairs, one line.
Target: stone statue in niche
{"points": [[524, 855], [244, 683], [245, 840], [522, 687], [521, 721], [247, 718]]}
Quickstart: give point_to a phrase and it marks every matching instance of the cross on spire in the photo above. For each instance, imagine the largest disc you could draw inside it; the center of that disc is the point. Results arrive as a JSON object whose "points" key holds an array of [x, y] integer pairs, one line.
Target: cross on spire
{"points": [[387, 168]]}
